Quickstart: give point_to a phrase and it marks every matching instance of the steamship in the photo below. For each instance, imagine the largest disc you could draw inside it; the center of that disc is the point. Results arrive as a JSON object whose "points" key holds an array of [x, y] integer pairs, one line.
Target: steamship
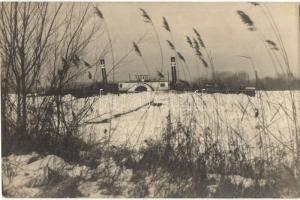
{"points": [[143, 83]]}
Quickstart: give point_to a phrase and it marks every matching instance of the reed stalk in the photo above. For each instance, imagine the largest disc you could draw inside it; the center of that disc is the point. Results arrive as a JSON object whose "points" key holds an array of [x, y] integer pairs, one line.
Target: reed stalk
{"points": [[147, 19], [100, 15]]}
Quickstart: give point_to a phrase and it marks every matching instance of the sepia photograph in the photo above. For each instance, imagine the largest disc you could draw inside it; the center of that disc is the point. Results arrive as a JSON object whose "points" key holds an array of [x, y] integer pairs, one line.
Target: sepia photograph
{"points": [[150, 99]]}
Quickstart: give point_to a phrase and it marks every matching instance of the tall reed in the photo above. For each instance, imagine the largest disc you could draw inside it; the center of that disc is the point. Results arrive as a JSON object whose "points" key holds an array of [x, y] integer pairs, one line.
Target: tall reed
{"points": [[173, 47], [100, 15], [272, 48], [137, 50], [147, 19], [208, 56]]}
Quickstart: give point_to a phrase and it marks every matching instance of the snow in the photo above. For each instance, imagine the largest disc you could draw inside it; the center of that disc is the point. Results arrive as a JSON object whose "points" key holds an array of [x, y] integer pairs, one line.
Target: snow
{"points": [[20, 174], [225, 115], [138, 117]]}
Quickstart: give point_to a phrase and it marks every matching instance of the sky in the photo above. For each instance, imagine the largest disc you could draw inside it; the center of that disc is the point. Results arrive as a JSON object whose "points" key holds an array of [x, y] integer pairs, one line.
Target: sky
{"points": [[221, 29]]}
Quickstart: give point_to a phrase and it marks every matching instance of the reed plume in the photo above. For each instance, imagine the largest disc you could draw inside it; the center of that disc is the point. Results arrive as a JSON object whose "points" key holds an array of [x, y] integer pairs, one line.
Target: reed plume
{"points": [[274, 58], [166, 25], [266, 11], [136, 49], [186, 65], [199, 38], [198, 52], [196, 44], [272, 44], [203, 61], [189, 41], [246, 20], [180, 56], [197, 47], [171, 45], [147, 19], [99, 13]]}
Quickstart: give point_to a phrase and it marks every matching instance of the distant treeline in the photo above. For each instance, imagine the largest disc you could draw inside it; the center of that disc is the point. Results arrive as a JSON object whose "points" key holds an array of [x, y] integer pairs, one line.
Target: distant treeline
{"points": [[79, 89], [280, 83], [230, 80], [82, 89], [221, 80]]}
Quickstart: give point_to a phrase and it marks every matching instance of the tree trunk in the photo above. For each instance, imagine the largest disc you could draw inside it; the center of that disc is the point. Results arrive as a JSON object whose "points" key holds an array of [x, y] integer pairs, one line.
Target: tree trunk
{"points": [[19, 114]]}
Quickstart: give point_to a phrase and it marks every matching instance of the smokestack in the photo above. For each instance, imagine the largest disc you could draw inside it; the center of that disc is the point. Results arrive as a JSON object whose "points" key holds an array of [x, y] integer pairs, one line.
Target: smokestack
{"points": [[104, 77], [173, 71], [256, 79]]}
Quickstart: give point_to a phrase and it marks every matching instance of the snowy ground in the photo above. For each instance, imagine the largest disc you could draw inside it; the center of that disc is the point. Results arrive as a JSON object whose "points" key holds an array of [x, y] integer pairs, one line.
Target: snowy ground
{"points": [[226, 115], [138, 117]]}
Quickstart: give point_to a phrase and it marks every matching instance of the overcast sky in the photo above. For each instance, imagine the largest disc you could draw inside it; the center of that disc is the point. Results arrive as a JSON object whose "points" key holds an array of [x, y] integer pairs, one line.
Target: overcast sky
{"points": [[219, 25]]}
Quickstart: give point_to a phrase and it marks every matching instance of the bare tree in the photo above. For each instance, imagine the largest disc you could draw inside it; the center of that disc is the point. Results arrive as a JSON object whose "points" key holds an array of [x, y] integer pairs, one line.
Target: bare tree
{"points": [[41, 45]]}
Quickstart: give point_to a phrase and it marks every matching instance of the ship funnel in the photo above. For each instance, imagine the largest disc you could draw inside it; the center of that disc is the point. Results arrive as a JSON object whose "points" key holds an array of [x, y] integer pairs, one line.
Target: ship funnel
{"points": [[173, 71], [103, 70]]}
